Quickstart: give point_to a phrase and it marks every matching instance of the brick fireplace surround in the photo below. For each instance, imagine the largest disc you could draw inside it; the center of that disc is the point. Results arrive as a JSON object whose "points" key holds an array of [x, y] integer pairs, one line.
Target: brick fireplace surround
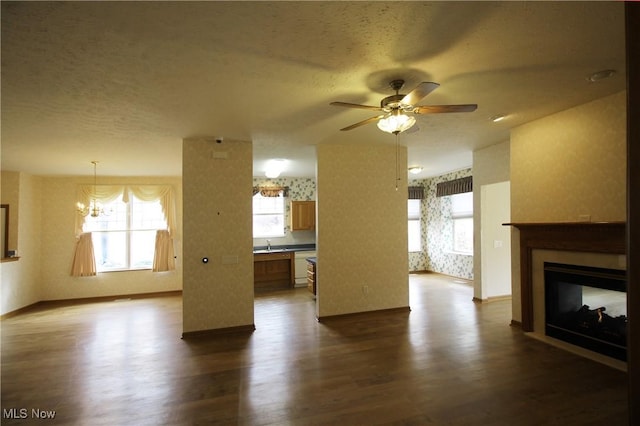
{"points": [[591, 237]]}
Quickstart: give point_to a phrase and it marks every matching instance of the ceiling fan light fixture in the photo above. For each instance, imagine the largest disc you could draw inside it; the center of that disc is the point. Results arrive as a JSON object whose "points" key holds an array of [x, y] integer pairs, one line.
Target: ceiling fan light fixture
{"points": [[396, 122]]}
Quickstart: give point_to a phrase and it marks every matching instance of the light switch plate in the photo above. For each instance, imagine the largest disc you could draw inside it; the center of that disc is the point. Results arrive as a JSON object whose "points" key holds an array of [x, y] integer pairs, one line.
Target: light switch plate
{"points": [[229, 260]]}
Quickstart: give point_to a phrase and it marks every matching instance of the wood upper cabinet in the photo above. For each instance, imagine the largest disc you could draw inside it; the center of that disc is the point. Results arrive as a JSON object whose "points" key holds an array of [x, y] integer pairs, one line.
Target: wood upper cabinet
{"points": [[303, 215]]}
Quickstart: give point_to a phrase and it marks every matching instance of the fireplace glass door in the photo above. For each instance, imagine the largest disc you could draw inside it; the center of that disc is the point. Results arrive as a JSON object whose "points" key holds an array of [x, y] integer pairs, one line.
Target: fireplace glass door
{"points": [[587, 307]]}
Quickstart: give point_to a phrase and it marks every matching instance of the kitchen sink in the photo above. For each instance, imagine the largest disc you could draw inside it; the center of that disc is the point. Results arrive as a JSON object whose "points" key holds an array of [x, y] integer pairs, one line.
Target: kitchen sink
{"points": [[275, 250]]}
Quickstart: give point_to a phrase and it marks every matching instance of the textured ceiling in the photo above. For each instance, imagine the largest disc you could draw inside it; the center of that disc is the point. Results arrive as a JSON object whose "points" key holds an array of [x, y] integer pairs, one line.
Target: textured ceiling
{"points": [[124, 82]]}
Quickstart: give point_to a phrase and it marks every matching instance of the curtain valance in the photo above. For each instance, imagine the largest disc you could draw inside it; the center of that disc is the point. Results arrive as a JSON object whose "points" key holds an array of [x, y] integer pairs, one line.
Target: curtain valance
{"points": [[271, 191], [108, 193], [456, 186], [416, 192]]}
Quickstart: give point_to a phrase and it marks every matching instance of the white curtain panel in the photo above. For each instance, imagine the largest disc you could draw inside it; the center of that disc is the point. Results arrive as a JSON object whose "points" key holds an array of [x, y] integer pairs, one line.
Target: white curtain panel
{"points": [[84, 262]]}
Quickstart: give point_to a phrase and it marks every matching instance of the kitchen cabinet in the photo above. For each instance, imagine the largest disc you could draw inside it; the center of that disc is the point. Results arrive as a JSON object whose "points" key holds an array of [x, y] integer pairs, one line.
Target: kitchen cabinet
{"points": [[301, 267], [273, 271], [303, 215], [311, 275]]}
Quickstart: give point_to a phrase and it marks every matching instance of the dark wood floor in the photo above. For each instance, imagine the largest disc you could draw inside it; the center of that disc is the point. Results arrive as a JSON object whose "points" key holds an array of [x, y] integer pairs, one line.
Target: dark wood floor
{"points": [[447, 362]]}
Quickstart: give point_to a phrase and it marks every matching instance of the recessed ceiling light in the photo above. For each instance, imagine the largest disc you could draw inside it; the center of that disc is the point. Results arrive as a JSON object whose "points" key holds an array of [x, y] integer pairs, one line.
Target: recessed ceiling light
{"points": [[415, 169], [497, 118], [601, 75]]}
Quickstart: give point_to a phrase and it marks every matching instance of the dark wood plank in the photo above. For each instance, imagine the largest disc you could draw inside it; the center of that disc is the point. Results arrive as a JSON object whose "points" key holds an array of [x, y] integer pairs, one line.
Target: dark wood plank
{"points": [[447, 361], [632, 12]]}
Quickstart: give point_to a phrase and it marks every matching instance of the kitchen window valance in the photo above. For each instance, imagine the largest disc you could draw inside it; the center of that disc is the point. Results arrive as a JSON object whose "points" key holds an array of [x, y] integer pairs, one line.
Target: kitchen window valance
{"points": [[456, 186], [271, 191], [416, 192]]}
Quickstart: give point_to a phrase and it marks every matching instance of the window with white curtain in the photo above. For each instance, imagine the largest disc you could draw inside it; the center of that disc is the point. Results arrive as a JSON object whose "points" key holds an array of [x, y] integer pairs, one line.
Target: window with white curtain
{"points": [[268, 216], [415, 240], [124, 239], [462, 217]]}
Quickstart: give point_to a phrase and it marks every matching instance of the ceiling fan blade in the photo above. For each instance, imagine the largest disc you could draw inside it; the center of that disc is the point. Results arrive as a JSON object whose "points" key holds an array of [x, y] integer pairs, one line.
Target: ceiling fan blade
{"points": [[437, 109], [363, 122], [422, 90], [348, 105]]}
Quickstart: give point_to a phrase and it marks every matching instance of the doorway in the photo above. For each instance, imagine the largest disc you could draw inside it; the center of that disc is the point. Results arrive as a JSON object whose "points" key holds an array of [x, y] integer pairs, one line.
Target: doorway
{"points": [[495, 210]]}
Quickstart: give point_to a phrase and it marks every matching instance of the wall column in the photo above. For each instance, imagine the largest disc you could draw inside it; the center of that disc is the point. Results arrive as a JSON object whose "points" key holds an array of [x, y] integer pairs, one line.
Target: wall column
{"points": [[217, 229], [363, 260]]}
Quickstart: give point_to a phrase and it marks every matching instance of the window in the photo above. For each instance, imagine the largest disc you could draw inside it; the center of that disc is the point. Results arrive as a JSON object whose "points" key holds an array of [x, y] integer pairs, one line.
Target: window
{"points": [[124, 239], [415, 240], [268, 216], [462, 216]]}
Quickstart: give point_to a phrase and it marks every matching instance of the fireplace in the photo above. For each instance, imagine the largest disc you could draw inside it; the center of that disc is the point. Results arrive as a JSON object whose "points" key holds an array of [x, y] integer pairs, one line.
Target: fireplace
{"points": [[589, 244], [587, 307]]}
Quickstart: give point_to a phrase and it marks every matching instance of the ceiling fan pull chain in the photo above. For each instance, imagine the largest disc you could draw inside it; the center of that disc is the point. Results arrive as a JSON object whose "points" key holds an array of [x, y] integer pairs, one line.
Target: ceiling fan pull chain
{"points": [[397, 178]]}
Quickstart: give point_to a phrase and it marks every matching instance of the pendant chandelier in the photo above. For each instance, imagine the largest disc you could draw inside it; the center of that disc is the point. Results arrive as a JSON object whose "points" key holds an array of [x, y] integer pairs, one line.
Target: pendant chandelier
{"points": [[94, 209]]}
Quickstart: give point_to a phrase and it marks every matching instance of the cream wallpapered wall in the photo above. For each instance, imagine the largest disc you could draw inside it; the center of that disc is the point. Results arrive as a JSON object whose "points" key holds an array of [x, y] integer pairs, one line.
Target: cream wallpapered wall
{"points": [[361, 229], [20, 280], [10, 195], [58, 243], [565, 165], [217, 225], [570, 164]]}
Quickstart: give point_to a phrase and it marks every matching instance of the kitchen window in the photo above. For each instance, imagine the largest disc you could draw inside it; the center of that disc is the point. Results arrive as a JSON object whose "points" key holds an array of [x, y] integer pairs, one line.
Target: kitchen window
{"points": [[124, 238], [268, 216], [415, 239]]}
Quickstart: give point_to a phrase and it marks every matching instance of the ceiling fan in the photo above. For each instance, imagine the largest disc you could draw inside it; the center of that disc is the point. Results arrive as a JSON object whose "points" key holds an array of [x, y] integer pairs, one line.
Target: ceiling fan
{"points": [[396, 107]]}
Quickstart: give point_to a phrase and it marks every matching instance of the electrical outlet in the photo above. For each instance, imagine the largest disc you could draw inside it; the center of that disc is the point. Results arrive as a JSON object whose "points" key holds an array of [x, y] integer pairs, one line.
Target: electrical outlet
{"points": [[584, 218], [365, 290]]}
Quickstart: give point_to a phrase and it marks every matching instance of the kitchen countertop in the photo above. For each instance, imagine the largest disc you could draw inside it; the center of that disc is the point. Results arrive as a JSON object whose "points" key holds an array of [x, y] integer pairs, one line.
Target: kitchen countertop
{"points": [[284, 248], [311, 259]]}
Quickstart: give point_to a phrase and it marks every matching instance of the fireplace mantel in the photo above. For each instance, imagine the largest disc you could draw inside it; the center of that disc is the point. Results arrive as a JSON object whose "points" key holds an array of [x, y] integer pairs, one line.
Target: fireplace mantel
{"points": [[594, 237]]}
